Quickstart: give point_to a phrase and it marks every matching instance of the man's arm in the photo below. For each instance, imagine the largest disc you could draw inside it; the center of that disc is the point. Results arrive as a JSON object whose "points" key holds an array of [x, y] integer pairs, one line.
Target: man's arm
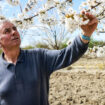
{"points": [[62, 58], [57, 59]]}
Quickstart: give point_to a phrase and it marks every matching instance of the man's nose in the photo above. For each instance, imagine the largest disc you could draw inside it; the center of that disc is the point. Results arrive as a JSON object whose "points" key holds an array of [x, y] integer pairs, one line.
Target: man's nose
{"points": [[13, 32]]}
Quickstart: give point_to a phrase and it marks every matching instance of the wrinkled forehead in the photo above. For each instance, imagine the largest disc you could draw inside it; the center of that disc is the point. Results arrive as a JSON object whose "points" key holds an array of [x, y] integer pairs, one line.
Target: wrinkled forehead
{"points": [[5, 24]]}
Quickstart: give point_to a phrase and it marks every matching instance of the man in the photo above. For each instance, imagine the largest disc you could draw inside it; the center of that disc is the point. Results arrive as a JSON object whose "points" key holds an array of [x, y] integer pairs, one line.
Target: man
{"points": [[24, 74]]}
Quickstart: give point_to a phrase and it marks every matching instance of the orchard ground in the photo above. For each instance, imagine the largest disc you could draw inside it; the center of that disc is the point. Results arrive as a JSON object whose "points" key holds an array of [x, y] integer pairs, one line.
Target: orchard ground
{"points": [[83, 83]]}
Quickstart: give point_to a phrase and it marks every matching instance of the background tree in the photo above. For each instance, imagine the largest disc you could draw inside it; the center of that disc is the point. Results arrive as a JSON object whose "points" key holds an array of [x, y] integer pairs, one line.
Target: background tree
{"points": [[54, 36], [50, 13]]}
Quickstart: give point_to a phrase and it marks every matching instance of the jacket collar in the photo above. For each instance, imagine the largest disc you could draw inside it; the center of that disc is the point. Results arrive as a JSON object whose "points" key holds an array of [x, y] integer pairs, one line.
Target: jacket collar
{"points": [[20, 58]]}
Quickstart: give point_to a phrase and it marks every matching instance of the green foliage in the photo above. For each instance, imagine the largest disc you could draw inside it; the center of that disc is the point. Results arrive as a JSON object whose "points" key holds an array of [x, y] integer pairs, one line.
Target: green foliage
{"points": [[28, 47], [0, 51], [43, 45], [63, 45], [93, 43]]}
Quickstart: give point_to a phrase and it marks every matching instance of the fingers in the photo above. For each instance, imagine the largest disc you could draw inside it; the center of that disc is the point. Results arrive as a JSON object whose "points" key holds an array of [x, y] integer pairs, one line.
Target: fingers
{"points": [[92, 18], [94, 21], [88, 15]]}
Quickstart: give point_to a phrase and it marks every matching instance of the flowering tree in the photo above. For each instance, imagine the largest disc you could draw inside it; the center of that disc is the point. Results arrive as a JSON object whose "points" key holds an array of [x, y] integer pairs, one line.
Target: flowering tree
{"points": [[54, 37], [40, 9], [53, 12]]}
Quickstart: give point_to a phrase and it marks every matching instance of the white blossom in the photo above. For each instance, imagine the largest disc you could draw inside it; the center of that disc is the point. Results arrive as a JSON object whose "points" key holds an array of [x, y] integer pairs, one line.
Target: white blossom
{"points": [[70, 24], [49, 3], [74, 20], [13, 2], [20, 16], [65, 14]]}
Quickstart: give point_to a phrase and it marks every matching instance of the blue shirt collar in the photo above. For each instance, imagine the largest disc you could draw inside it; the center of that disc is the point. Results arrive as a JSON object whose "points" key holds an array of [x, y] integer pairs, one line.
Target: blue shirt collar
{"points": [[20, 58]]}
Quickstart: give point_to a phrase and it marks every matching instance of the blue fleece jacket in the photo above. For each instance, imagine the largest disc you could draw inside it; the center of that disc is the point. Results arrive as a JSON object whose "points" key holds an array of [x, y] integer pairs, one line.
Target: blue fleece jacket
{"points": [[27, 82]]}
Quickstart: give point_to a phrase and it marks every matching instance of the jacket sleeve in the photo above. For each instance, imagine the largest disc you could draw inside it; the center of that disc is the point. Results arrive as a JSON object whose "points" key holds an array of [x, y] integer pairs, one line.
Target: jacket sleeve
{"points": [[57, 59]]}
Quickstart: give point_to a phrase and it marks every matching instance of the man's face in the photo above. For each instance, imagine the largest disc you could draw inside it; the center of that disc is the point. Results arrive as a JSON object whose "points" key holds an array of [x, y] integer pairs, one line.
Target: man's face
{"points": [[9, 36]]}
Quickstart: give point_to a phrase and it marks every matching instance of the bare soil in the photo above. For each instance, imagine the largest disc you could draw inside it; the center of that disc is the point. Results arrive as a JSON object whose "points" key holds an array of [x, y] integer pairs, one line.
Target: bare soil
{"points": [[83, 83]]}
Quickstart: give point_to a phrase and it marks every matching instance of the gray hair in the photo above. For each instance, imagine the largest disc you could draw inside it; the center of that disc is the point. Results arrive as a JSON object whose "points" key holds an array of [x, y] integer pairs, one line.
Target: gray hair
{"points": [[4, 20]]}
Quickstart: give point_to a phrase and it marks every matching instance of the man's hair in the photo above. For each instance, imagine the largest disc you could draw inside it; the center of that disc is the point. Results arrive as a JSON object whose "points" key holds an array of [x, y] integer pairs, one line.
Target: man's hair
{"points": [[4, 20]]}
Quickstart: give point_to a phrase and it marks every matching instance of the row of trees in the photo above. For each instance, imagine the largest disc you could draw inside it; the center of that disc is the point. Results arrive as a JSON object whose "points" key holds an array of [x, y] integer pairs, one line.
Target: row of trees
{"points": [[55, 18]]}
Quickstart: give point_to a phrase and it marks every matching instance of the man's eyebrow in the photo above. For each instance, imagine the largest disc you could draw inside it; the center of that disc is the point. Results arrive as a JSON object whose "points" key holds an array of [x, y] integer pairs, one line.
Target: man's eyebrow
{"points": [[8, 28], [14, 27], [5, 29]]}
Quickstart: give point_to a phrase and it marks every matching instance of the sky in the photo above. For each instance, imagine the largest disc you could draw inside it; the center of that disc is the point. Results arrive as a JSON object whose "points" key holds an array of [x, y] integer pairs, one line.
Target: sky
{"points": [[10, 11]]}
